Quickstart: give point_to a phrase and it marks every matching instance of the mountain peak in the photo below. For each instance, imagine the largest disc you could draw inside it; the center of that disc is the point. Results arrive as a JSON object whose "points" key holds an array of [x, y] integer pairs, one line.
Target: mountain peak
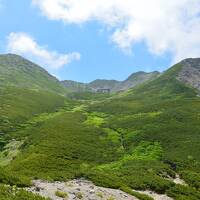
{"points": [[190, 72], [112, 85], [142, 74], [191, 62], [20, 72]]}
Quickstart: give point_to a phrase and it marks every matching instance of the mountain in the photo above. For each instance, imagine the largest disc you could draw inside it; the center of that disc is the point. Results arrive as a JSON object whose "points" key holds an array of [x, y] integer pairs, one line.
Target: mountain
{"points": [[19, 72], [158, 119], [74, 86], [190, 72], [103, 84], [135, 79], [25, 91], [146, 138], [113, 85]]}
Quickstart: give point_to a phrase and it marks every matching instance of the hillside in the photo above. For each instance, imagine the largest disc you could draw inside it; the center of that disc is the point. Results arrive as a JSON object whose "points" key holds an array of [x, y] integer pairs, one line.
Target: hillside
{"points": [[140, 139], [161, 118], [113, 85], [19, 72], [25, 91]]}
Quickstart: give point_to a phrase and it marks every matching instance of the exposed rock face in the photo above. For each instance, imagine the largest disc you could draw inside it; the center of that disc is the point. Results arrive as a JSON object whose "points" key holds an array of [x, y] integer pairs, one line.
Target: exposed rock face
{"points": [[190, 72]]}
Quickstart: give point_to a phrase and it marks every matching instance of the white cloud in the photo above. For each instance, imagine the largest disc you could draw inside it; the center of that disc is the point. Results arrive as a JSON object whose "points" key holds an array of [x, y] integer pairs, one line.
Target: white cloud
{"points": [[23, 44], [164, 25]]}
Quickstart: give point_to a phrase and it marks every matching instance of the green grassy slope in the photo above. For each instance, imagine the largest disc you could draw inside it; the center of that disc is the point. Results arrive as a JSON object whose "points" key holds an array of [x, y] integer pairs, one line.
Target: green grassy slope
{"points": [[62, 145], [122, 141], [19, 72], [26, 90], [164, 111], [18, 105], [11, 193]]}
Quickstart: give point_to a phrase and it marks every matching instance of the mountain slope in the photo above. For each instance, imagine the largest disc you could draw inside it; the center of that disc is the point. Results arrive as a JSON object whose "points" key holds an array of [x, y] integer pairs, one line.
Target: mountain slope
{"points": [[162, 113], [25, 90], [138, 139], [135, 79], [103, 84], [19, 72], [74, 86]]}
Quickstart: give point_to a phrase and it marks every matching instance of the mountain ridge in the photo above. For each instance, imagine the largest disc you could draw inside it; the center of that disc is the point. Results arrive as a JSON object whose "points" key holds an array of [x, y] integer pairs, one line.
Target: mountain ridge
{"points": [[136, 140], [113, 85], [20, 72]]}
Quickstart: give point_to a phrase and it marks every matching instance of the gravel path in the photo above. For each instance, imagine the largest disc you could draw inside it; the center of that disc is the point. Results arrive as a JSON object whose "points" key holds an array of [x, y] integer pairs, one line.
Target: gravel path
{"points": [[178, 180]]}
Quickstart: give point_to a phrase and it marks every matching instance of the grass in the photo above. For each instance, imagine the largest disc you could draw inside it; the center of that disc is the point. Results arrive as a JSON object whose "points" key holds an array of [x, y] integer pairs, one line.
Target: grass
{"points": [[111, 198], [100, 194], [119, 141], [151, 120], [9, 152], [136, 194], [16, 71], [70, 143], [103, 147], [19, 105], [94, 120], [180, 192], [147, 151], [79, 195], [61, 194], [12, 193]]}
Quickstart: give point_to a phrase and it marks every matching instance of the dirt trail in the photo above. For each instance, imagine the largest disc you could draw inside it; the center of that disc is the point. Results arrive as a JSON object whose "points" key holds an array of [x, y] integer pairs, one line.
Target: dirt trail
{"points": [[178, 180]]}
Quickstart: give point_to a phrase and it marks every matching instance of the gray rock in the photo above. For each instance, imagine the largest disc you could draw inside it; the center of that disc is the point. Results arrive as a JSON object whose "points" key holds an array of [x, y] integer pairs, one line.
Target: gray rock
{"points": [[190, 72]]}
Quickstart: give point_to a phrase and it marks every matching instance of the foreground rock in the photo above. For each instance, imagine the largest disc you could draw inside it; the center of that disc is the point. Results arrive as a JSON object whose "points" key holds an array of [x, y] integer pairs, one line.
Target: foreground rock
{"points": [[77, 189]]}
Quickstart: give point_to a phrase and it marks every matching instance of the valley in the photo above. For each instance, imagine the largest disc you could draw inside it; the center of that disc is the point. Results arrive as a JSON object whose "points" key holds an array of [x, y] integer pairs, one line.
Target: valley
{"points": [[136, 140]]}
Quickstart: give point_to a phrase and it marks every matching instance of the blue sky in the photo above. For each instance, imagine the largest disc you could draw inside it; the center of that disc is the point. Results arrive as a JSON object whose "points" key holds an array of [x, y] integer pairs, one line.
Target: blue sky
{"points": [[89, 42]]}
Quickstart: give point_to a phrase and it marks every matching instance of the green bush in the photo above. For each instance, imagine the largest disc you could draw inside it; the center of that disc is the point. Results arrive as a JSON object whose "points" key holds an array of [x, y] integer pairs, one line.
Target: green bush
{"points": [[12, 193], [192, 178], [79, 195], [136, 194], [61, 194], [180, 192], [9, 177]]}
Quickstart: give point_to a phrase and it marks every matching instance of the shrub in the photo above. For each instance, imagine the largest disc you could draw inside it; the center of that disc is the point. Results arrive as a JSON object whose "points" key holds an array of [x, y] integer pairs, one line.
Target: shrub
{"points": [[135, 194], [61, 194], [180, 192], [100, 194], [79, 195]]}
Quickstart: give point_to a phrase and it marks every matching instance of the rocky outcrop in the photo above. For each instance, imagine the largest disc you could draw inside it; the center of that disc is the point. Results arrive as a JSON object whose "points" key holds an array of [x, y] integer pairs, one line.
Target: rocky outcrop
{"points": [[77, 189], [190, 72]]}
